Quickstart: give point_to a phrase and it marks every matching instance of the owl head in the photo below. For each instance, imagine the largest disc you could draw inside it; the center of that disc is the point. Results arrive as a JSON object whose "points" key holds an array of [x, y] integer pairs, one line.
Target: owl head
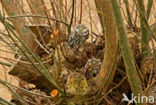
{"points": [[78, 36]]}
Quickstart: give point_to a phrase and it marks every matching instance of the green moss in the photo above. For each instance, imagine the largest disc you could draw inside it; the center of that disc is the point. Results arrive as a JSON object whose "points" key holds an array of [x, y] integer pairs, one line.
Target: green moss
{"points": [[77, 84]]}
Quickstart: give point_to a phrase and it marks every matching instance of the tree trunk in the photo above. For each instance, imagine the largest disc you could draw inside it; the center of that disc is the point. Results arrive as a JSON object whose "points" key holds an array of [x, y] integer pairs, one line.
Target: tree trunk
{"points": [[106, 74]]}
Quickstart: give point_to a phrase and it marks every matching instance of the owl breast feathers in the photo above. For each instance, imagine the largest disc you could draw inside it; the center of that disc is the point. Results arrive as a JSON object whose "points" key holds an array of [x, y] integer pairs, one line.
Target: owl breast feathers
{"points": [[78, 36]]}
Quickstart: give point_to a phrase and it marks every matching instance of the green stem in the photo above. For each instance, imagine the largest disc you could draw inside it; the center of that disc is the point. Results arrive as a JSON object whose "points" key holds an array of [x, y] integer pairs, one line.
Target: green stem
{"points": [[5, 101], [144, 31], [149, 6], [132, 74], [128, 13], [24, 90], [44, 72], [14, 93], [145, 21], [5, 64], [4, 41], [2, 103]]}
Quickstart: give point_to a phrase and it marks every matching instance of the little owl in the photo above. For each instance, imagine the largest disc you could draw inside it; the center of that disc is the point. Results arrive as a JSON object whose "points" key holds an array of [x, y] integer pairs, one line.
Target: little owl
{"points": [[78, 36]]}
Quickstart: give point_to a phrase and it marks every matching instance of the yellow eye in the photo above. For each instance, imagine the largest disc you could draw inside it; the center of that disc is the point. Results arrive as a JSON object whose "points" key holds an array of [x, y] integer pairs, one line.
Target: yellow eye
{"points": [[54, 93]]}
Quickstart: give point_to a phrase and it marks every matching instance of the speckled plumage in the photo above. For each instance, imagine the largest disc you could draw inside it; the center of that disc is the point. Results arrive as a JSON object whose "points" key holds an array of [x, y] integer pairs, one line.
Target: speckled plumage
{"points": [[88, 67], [78, 36]]}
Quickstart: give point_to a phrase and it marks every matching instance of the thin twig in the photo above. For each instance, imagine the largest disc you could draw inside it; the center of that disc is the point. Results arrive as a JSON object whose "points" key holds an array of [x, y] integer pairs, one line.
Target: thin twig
{"points": [[72, 16], [80, 12], [15, 16], [6, 64]]}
